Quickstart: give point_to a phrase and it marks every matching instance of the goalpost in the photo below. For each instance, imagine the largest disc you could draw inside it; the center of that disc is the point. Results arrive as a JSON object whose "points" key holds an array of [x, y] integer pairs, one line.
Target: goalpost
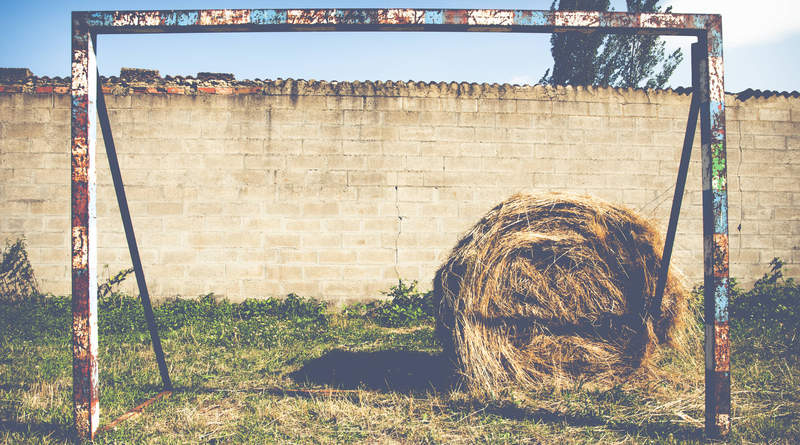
{"points": [[88, 109]]}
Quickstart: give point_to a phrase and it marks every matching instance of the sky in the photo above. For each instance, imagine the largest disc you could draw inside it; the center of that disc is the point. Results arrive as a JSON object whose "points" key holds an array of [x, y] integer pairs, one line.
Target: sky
{"points": [[761, 41]]}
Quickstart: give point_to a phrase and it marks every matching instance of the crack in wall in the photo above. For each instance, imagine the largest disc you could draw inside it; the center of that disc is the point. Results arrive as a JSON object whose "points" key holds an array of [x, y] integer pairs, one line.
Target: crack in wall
{"points": [[399, 232]]}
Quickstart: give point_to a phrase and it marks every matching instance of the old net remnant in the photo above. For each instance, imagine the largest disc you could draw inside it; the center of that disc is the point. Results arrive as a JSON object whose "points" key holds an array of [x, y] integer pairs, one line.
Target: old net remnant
{"points": [[554, 286]]}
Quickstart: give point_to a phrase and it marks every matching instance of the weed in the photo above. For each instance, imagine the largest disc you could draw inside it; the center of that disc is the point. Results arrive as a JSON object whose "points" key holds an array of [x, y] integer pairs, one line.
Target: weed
{"points": [[408, 306], [771, 306]]}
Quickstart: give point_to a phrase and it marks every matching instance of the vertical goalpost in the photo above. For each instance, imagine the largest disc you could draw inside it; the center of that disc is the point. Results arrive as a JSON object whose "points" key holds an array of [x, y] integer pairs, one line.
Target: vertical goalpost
{"points": [[88, 109]]}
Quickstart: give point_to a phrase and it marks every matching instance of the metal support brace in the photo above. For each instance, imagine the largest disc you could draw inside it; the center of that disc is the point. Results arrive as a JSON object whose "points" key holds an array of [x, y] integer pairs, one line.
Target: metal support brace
{"points": [[133, 248], [680, 184]]}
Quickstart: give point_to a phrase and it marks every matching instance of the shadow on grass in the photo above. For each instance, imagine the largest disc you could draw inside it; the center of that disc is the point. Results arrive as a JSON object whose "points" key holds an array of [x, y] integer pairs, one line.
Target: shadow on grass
{"points": [[52, 430], [390, 370], [417, 372]]}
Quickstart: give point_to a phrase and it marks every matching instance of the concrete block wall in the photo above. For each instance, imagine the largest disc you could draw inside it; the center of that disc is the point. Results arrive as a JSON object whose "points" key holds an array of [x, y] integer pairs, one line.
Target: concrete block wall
{"points": [[336, 190]]}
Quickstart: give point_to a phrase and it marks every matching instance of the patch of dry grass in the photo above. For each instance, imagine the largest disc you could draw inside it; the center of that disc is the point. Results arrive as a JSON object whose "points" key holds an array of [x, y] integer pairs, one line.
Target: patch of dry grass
{"points": [[370, 385]]}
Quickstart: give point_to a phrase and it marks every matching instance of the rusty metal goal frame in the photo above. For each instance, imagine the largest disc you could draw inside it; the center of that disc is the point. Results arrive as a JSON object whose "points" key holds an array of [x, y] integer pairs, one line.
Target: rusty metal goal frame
{"points": [[88, 109]]}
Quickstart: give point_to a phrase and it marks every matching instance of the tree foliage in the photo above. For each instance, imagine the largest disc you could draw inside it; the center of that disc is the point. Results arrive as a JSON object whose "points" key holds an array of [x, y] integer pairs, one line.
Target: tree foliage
{"points": [[618, 60]]}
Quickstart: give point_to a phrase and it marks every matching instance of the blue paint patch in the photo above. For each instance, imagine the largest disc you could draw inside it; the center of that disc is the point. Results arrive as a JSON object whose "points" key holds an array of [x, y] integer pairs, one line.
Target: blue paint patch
{"points": [[541, 18], [717, 114], [170, 18], [434, 17], [715, 43], [522, 17], [100, 19], [352, 16], [81, 38], [268, 16], [188, 18], [700, 21], [720, 202], [721, 301], [717, 109], [79, 103]]}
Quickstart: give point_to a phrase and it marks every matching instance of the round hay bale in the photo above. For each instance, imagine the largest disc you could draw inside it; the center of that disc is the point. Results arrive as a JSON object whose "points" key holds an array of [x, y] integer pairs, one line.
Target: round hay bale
{"points": [[555, 286]]}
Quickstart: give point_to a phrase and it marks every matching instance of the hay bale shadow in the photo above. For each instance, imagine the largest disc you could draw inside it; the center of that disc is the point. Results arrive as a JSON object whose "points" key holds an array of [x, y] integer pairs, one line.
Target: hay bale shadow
{"points": [[388, 370]]}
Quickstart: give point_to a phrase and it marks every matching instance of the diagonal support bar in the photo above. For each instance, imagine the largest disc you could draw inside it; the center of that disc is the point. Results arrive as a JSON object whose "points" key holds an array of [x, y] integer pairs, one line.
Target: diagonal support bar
{"points": [[680, 184], [122, 200]]}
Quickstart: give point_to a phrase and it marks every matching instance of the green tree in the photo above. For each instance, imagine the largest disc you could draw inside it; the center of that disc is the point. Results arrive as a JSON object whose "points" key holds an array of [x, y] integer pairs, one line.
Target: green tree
{"points": [[575, 53], [617, 60]]}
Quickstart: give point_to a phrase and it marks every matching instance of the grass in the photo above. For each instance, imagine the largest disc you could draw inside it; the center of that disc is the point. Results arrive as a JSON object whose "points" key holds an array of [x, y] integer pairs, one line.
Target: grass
{"points": [[277, 371]]}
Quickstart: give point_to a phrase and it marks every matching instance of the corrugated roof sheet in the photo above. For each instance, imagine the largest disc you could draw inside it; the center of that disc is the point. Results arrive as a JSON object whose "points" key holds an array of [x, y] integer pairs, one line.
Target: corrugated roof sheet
{"points": [[18, 76]]}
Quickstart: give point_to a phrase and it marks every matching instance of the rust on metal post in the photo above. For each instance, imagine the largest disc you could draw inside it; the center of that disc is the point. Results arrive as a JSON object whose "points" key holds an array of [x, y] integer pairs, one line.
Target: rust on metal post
{"points": [[83, 232], [715, 234], [393, 19]]}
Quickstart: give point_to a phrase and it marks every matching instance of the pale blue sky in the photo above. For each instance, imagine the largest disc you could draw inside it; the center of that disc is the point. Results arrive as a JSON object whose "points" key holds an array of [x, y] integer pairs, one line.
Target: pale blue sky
{"points": [[760, 51]]}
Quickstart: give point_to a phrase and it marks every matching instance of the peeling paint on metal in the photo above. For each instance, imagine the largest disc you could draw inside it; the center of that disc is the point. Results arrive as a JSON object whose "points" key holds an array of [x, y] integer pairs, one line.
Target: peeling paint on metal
{"points": [[455, 17], [720, 208], [401, 16], [577, 18], [267, 16], [310, 16], [224, 17], [663, 20], [715, 80], [256, 19], [188, 18], [721, 301], [83, 233], [722, 357], [137, 18], [714, 36], [720, 255], [490, 17], [723, 424], [433, 17], [719, 171]]}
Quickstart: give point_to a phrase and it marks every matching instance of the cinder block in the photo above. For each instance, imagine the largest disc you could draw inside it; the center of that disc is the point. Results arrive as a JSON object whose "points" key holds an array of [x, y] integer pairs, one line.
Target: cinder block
{"points": [[534, 106], [366, 178], [324, 272], [777, 142], [422, 104], [639, 110], [416, 194], [425, 163], [774, 114], [353, 147], [514, 120], [402, 118], [446, 118], [321, 241], [351, 117], [338, 257], [462, 163], [361, 240], [345, 102], [497, 106]]}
